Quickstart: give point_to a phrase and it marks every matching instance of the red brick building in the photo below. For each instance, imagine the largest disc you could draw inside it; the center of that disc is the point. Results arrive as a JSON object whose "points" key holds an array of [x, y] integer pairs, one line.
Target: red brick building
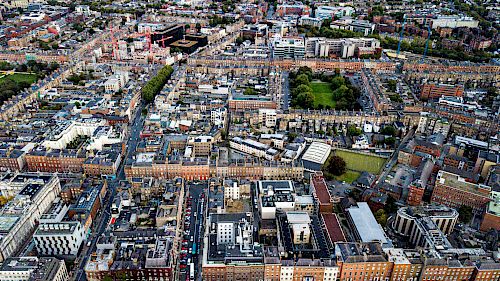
{"points": [[453, 191], [431, 91]]}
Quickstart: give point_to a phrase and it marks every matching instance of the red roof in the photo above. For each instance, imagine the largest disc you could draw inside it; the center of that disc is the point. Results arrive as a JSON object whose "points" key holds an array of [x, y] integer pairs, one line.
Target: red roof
{"points": [[321, 189], [333, 228]]}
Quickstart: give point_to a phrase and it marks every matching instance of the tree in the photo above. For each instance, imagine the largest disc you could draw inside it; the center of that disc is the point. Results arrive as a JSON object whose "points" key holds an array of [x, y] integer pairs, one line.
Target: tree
{"points": [[392, 85], [302, 79], [302, 89], [390, 140], [354, 131], [337, 81], [291, 136], [381, 217], [388, 131], [305, 99], [154, 86], [249, 91], [336, 165], [465, 214]]}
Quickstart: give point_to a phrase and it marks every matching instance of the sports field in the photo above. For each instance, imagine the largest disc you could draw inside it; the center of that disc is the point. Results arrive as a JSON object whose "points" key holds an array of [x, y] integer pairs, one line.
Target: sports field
{"points": [[360, 162], [323, 94]]}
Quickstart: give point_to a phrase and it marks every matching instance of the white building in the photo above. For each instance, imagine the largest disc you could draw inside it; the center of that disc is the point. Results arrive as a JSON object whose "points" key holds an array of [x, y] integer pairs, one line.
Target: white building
{"points": [[454, 22], [273, 196], [316, 155], [300, 224], [19, 217], [218, 116], [253, 147], [339, 47], [267, 117], [67, 131], [83, 9], [232, 190], [116, 81], [361, 26], [330, 12], [60, 238], [33, 268], [104, 135], [307, 20], [288, 47], [145, 27]]}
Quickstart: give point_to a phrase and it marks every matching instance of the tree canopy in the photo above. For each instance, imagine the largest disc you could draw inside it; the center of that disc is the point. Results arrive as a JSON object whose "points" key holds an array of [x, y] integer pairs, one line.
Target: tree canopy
{"points": [[154, 86]]}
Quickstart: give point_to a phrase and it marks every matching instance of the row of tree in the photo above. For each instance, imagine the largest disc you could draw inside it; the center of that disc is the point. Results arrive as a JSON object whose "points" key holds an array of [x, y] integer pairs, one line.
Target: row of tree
{"points": [[154, 86], [345, 94], [301, 91]]}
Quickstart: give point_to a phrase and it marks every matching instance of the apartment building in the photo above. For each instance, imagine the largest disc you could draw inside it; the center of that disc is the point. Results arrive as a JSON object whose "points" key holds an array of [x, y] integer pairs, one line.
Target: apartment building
{"points": [[292, 9], [59, 238], [362, 261], [19, 216], [338, 47], [254, 148], [288, 47], [426, 226], [454, 191], [432, 91], [33, 269]]}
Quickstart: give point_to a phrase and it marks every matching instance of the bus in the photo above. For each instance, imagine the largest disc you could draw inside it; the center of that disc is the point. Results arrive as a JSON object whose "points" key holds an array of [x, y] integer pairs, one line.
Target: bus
{"points": [[191, 271], [193, 252]]}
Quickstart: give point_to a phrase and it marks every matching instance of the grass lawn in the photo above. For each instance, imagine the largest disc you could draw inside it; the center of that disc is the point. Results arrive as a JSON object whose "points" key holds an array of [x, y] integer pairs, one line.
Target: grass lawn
{"points": [[18, 77], [323, 94], [349, 176], [360, 162]]}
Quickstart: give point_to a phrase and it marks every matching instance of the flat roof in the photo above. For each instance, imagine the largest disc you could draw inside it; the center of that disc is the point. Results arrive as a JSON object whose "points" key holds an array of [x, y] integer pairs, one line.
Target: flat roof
{"points": [[334, 230], [366, 225], [317, 152], [320, 188]]}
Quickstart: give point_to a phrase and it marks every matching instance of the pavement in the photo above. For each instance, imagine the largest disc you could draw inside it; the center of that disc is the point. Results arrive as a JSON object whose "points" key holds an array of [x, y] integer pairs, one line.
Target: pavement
{"points": [[286, 90]]}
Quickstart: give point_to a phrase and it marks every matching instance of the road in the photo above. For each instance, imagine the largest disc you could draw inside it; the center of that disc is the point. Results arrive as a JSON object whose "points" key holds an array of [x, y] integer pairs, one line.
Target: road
{"points": [[286, 91], [394, 158], [195, 229], [103, 220]]}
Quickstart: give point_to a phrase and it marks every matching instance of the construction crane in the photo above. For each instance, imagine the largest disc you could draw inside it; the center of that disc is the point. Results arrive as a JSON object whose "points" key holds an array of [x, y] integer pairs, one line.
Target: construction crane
{"points": [[113, 42], [149, 39], [401, 35], [429, 32]]}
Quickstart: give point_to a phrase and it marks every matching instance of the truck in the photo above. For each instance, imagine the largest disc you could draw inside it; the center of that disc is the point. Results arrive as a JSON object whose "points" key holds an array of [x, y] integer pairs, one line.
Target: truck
{"points": [[191, 271]]}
